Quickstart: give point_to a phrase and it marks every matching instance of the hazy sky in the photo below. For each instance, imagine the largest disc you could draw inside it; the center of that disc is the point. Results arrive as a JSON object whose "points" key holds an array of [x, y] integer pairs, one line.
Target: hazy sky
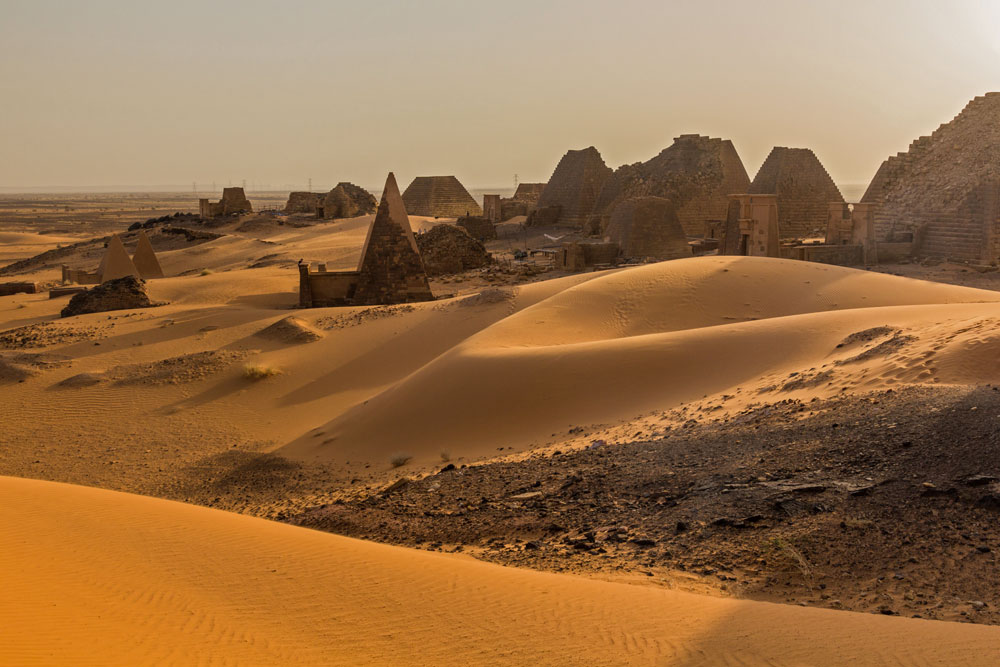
{"points": [[130, 92]]}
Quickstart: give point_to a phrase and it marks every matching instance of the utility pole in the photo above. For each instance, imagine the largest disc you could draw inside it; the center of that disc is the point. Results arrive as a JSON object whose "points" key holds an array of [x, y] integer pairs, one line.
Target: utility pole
{"points": [[244, 184], [310, 185], [194, 187], [515, 181]]}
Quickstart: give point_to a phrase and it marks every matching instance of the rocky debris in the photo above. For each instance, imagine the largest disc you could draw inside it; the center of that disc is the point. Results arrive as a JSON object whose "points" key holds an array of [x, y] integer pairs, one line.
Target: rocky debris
{"points": [[448, 249], [361, 316], [175, 370], [119, 294], [767, 503], [20, 366], [478, 227], [190, 218], [44, 335], [348, 201], [290, 330]]}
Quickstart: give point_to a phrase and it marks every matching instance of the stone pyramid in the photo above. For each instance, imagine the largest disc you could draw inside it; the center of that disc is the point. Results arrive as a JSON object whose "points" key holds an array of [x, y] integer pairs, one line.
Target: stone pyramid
{"points": [[944, 188], [648, 227], [145, 260], [439, 196], [696, 173], [575, 186], [391, 270], [804, 190], [116, 262]]}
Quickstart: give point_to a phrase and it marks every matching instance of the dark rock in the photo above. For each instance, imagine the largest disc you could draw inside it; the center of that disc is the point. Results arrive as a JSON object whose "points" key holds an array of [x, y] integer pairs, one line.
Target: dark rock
{"points": [[119, 294], [449, 249]]}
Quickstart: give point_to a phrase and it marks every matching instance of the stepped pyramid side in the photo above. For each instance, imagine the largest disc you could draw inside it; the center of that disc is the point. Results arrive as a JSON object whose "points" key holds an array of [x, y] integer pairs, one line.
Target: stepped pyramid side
{"points": [[575, 185], [648, 227], [695, 172], [391, 270], [804, 190], [145, 260], [439, 196], [945, 188]]}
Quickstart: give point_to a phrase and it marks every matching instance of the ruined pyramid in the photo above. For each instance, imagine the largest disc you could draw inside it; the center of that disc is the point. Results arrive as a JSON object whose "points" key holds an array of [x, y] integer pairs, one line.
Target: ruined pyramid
{"points": [[804, 190], [391, 270], [145, 260], [574, 187], [648, 227], [439, 196], [695, 172], [945, 190], [116, 262]]}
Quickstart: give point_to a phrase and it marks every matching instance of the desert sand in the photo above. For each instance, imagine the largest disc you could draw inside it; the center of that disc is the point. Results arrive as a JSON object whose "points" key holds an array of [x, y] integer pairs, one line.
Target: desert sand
{"points": [[156, 402], [150, 580]]}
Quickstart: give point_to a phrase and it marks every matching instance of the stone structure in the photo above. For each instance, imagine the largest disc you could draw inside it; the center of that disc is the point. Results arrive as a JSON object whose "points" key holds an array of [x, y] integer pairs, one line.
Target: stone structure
{"points": [[145, 260], [572, 192], [347, 201], [450, 249], [118, 294], [390, 269], [581, 255], [491, 207], [696, 173], [6, 289], [523, 202], [234, 201], [944, 192], [478, 227], [752, 227], [440, 197], [116, 263], [803, 189], [854, 225], [303, 202], [80, 276], [648, 228]]}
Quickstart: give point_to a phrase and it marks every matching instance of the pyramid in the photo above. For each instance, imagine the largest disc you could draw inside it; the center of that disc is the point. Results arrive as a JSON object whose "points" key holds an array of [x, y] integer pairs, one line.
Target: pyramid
{"points": [[648, 227], [945, 187], [575, 186], [391, 270], [439, 196], [696, 173], [145, 260], [116, 262], [804, 190]]}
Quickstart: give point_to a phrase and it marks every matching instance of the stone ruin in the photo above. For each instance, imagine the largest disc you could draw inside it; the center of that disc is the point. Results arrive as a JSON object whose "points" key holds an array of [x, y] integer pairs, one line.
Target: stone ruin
{"points": [[118, 294], [439, 197], [582, 255], [478, 227], [234, 202], [648, 228], [6, 289], [491, 207], [570, 195], [523, 202], [347, 201], [449, 249], [390, 270], [803, 188], [943, 194], [752, 227], [117, 264], [696, 173], [344, 201]]}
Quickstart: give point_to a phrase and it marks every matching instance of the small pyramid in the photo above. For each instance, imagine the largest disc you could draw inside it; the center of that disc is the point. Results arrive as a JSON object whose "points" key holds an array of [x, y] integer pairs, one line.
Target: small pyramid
{"points": [[145, 260], [391, 270], [116, 262]]}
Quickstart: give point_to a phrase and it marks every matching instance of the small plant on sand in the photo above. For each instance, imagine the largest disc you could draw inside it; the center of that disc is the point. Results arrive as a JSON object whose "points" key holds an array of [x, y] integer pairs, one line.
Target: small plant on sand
{"points": [[793, 557], [259, 371], [398, 460], [206, 272]]}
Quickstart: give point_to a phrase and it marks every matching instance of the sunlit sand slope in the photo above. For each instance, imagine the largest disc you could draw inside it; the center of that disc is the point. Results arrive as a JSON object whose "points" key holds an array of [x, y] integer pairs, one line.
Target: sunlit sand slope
{"points": [[651, 337], [99, 577]]}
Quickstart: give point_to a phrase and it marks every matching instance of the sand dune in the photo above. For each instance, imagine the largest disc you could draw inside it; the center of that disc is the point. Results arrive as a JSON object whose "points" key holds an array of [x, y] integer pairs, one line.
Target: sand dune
{"points": [[100, 577], [652, 337]]}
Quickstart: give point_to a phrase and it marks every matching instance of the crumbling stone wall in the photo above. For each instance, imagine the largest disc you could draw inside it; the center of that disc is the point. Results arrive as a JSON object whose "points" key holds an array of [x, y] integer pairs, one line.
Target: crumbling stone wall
{"points": [[6, 289], [577, 256], [440, 197], [696, 173], [478, 227], [648, 227], [803, 187], [234, 202], [449, 249], [574, 188], [303, 202], [523, 202], [491, 207], [945, 189]]}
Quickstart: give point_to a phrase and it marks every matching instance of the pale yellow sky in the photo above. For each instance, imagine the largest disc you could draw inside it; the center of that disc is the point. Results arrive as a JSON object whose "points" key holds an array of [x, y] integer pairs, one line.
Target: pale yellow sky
{"points": [[115, 92]]}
